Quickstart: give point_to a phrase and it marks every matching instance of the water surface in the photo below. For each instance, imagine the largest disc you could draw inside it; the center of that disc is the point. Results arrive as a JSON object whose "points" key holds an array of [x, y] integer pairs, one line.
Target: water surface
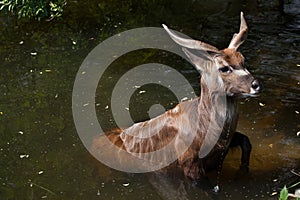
{"points": [[41, 153]]}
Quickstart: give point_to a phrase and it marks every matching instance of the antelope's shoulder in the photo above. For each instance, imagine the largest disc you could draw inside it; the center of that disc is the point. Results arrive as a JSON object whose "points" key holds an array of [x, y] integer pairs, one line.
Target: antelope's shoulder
{"points": [[185, 106]]}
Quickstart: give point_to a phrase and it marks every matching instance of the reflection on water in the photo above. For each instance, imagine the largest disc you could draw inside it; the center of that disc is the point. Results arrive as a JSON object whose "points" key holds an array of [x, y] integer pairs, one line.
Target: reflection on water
{"points": [[41, 154]]}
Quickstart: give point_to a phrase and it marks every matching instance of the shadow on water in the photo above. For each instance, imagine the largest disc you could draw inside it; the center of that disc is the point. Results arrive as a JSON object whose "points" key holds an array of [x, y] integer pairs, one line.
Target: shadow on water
{"points": [[41, 153]]}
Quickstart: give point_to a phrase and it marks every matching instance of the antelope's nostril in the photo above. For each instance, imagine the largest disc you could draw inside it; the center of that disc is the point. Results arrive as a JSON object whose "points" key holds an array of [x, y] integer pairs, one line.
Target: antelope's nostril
{"points": [[256, 85]]}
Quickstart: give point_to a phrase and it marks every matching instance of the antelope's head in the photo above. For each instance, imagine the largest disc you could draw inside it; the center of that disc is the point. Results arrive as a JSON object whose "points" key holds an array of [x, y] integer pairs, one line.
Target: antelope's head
{"points": [[224, 69]]}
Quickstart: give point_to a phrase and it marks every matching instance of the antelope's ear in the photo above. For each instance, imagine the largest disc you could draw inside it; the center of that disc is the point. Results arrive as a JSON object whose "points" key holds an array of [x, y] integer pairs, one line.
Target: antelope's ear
{"points": [[201, 62], [190, 43], [239, 38]]}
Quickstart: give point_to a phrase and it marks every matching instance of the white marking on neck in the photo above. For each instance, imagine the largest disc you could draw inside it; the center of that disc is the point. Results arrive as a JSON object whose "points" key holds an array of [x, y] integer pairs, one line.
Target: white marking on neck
{"points": [[241, 72]]}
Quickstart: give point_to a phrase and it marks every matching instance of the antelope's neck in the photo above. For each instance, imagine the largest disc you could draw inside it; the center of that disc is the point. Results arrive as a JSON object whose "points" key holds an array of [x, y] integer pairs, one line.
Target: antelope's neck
{"points": [[217, 118], [216, 106]]}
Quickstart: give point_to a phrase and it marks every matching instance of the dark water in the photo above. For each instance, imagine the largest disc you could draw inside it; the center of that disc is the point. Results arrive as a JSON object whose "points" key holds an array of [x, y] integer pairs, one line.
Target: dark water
{"points": [[41, 153]]}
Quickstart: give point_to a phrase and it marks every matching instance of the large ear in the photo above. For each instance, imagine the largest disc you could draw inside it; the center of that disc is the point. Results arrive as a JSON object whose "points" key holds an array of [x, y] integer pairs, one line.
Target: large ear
{"points": [[240, 37], [202, 63], [189, 43]]}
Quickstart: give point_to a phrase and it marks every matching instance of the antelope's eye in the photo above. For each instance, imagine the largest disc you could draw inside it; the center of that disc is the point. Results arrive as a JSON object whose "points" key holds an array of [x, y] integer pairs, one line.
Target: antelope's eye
{"points": [[225, 69]]}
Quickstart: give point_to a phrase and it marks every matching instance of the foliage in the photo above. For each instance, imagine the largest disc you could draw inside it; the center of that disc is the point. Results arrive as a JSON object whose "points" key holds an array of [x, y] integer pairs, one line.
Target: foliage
{"points": [[33, 9], [284, 194]]}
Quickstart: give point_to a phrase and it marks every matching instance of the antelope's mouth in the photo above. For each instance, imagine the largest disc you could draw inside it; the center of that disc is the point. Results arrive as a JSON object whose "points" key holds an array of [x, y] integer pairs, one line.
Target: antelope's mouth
{"points": [[244, 95], [253, 92]]}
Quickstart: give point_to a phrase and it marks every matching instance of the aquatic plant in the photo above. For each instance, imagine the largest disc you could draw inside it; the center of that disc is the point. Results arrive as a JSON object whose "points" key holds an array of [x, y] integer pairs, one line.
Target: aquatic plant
{"points": [[33, 9], [284, 194]]}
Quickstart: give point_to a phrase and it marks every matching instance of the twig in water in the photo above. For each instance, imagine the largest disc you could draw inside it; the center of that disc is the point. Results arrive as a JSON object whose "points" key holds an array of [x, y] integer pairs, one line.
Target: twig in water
{"points": [[43, 188], [297, 174]]}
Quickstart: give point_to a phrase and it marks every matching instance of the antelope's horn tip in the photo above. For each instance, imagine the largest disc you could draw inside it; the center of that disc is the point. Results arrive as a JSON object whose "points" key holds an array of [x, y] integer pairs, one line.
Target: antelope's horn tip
{"points": [[242, 15]]}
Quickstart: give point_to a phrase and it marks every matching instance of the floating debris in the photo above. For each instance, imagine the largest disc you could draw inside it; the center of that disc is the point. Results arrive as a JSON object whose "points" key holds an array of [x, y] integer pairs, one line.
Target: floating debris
{"points": [[142, 91], [125, 184], [56, 96], [136, 86], [262, 104], [106, 107], [47, 70], [33, 53], [98, 192], [84, 72], [24, 156], [21, 132], [270, 145], [74, 42], [274, 193], [127, 108], [216, 189], [297, 112], [21, 42], [40, 172], [1, 113], [298, 133], [297, 193]]}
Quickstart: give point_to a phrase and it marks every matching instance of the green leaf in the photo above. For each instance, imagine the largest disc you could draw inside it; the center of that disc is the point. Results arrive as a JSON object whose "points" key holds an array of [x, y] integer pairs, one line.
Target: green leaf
{"points": [[38, 11], [284, 194], [2, 7]]}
